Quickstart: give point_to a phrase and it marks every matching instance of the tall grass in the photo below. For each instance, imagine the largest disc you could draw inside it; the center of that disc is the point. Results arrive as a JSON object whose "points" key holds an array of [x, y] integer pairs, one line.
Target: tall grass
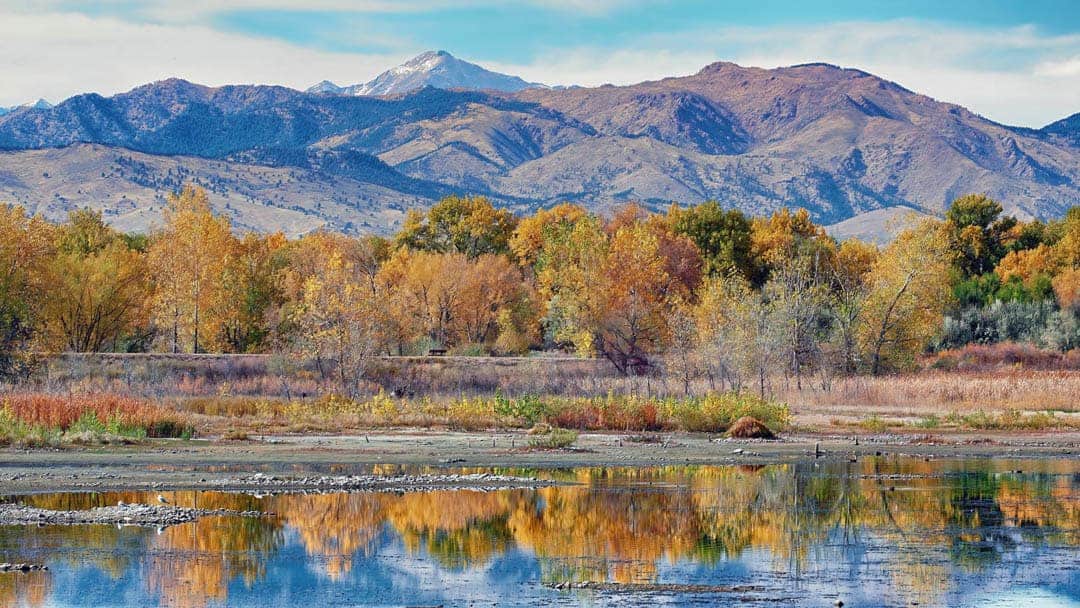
{"points": [[712, 413], [42, 419]]}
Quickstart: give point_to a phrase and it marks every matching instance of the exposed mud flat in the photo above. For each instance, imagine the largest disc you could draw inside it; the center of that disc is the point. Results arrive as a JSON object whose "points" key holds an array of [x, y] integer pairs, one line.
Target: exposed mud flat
{"points": [[220, 465]]}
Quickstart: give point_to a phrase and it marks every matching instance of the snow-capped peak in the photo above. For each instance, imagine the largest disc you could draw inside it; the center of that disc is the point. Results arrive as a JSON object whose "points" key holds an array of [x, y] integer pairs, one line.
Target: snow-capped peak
{"points": [[437, 69]]}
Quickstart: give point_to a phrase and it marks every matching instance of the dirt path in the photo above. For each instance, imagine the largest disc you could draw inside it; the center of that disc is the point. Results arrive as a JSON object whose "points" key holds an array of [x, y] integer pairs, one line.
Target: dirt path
{"points": [[199, 464]]}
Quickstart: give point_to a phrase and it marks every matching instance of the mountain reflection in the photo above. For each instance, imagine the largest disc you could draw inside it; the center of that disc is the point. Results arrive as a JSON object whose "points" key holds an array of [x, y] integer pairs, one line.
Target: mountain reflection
{"points": [[936, 522]]}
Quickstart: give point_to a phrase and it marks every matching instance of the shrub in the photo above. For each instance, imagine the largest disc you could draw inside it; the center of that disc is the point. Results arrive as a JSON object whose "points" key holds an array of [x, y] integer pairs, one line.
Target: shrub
{"points": [[718, 411], [528, 409], [554, 440]]}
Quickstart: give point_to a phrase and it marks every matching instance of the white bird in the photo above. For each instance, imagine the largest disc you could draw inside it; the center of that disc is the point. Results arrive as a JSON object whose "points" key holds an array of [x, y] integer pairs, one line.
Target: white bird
{"points": [[162, 499]]}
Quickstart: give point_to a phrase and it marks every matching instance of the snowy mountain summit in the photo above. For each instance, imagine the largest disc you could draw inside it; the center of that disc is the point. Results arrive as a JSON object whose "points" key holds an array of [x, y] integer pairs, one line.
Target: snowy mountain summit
{"points": [[437, 69]]}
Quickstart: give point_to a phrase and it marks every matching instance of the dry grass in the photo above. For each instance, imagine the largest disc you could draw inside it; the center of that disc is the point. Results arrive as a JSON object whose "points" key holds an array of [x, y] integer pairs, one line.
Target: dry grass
{"points": [[945, 391], [713, 413], [37, 418]]}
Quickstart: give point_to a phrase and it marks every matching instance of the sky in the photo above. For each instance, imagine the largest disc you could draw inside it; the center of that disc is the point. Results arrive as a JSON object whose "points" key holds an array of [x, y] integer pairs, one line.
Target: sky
{"points": [[1016, 62]]}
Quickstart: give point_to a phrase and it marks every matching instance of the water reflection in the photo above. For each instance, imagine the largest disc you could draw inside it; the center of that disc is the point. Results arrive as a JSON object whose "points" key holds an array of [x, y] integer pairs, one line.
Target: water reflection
{"points": [[887, 531]]}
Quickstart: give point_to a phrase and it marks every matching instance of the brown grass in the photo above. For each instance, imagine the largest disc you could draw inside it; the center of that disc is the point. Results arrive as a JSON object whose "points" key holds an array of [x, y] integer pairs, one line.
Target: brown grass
{"points": [[944, 391], [61, 412], [749, 428]]}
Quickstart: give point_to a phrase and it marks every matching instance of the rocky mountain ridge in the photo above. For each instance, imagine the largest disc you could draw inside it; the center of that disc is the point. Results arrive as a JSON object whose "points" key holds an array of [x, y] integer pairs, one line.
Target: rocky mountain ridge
{"points": [[839, 142]]}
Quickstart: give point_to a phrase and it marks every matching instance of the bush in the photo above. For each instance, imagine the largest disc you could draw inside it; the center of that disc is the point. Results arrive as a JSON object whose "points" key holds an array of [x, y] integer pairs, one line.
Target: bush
{"points": [[1035, 322], [528, 409], [555, 439], [718, 411]]}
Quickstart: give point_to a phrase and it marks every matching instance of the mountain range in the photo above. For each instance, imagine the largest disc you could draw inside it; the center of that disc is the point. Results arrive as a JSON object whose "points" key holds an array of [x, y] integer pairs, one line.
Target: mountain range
{"points": [[843, 143]]}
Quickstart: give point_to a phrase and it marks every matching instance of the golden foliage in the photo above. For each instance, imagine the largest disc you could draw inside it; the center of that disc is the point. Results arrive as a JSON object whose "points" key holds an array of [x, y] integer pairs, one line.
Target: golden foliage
{"points": [[187, 261]]}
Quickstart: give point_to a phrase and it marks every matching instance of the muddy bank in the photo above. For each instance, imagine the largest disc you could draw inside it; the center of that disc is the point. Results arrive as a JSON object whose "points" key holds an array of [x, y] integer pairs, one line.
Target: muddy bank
{"points": [[200, 464], [123, 514]]}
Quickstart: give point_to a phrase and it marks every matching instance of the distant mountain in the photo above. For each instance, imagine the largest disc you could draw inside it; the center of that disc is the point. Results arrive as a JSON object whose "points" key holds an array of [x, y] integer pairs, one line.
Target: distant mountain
{"points": [[40, 104], [325, 87], [437, 69], [841, 143]]}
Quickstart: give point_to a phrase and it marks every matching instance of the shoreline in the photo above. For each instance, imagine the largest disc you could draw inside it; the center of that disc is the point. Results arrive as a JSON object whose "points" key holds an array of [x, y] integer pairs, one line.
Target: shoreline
{"points": [[218, 464]]}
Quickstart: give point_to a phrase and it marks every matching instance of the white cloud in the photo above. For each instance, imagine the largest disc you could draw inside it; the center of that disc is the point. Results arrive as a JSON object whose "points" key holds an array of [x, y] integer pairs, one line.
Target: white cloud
{"points": [[58, 55], [1066, 68]]}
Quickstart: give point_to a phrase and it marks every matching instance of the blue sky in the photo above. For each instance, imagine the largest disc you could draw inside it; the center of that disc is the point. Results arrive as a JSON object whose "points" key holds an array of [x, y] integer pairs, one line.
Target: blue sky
{"points": [[1016, 62]]}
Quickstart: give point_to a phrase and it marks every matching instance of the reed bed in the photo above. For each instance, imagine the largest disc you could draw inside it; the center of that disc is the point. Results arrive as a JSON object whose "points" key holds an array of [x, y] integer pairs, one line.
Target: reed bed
{"points": [[39, 418]]}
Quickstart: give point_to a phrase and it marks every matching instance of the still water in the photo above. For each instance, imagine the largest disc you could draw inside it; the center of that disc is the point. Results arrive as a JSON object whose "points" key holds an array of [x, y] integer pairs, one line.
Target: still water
{"points": [[880, 532]]}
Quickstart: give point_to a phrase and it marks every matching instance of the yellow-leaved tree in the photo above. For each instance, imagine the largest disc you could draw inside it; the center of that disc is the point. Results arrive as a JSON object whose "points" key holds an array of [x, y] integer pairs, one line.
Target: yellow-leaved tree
{"points": [[187, 259], [908, 290], [97, 289], [25, 246], [339, 320]]}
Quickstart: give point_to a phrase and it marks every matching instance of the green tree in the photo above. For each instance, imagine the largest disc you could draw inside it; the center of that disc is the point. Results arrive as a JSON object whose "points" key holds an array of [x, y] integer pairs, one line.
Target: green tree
{"points": [[722, 236], [977, 234], [470, 225]]}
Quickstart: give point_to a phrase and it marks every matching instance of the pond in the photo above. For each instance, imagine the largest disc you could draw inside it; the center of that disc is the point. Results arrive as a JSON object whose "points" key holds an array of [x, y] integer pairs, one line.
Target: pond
{"points": [[880, 532]]}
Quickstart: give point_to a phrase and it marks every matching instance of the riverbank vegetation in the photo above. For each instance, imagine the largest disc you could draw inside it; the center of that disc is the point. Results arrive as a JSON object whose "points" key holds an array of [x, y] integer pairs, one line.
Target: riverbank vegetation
{"points": [[42, 420], [688, 305]]}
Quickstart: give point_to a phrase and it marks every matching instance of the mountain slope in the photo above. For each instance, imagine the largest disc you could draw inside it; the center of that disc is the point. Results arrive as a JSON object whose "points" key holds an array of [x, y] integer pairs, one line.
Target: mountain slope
{"points": [[839, 142], [1068, 129]]}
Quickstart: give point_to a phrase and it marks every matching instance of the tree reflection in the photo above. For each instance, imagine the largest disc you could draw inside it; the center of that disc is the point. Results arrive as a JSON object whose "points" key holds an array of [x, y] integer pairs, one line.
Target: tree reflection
{"points": [[615, 525]]}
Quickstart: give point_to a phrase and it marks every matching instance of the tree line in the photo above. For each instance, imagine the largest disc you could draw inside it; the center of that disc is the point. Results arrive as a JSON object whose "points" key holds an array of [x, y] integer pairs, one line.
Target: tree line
{"points": [[702, 292]]}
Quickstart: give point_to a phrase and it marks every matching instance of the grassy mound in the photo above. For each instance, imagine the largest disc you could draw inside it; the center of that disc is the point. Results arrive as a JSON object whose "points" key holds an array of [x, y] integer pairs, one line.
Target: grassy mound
{"points": [[750, 428]]}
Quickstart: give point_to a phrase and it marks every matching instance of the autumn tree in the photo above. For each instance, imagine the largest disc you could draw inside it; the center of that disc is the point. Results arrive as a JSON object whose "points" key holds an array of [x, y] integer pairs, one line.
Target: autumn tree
{"points": [[797, 294], [612, 294], [739, 336], [250, 288], [25, 246], [533, 231], [567, 266], [498, 307], [424, 294], [908, 293], [187, 261], [782, 236], [449, 300], [96, 290], [339, 320], [469, 225], [976, 233], [848, 290]]}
